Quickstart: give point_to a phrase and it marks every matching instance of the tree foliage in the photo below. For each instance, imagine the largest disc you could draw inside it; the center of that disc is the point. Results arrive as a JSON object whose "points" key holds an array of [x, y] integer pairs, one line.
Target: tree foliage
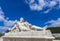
{"points": [[54, 29]]}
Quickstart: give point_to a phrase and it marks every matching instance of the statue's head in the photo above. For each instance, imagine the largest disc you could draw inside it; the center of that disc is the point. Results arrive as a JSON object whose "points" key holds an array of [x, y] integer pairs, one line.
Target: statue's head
{"points": [[21, 20], [15, 22]]}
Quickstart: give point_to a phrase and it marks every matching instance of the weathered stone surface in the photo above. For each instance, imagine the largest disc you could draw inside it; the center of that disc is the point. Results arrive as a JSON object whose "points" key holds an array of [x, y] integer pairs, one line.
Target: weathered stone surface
{"points": [[26, 39]]}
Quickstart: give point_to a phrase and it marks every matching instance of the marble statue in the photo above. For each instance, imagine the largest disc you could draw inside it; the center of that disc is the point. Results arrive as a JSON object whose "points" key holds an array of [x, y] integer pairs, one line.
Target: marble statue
{"points": [[25, 26]]}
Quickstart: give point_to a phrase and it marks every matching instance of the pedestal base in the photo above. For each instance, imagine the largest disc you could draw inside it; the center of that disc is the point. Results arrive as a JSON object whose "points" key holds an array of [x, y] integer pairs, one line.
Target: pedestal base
{"points": [[26, 39]]}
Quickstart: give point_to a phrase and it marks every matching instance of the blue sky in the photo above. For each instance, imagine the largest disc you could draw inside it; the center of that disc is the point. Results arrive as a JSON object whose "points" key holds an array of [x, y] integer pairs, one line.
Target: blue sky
{"points": [[36, 12]]}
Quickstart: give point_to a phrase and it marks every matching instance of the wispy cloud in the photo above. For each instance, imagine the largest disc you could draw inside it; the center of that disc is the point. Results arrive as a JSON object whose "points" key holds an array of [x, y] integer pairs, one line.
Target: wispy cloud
{"points": [[40, 5], [47, 11], [54, 23], [3, 28], [7, 23], [1, 15]]}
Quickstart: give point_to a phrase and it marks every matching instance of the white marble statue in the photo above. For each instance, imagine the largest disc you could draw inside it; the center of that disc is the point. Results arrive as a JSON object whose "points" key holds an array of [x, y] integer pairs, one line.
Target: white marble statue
{"points": [[25, 26]]}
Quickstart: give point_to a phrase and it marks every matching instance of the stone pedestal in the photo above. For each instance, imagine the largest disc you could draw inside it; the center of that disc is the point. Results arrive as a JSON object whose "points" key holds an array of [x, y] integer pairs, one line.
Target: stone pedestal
{"points": [[29, 36], [26, 39]]}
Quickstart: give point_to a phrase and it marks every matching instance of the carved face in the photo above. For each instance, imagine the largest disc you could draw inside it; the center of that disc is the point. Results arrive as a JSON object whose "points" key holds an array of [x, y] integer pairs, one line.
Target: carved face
{"points": [[21, 20]]}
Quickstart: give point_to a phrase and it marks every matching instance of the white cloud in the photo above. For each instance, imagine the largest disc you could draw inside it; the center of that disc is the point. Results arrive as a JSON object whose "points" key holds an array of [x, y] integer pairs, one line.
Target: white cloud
{"points": [[42, 4], [52, 3], [29, 1], [3, 28], [35, 7], [7, 23], [47, 11], [54, 23], [1, 15]]}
